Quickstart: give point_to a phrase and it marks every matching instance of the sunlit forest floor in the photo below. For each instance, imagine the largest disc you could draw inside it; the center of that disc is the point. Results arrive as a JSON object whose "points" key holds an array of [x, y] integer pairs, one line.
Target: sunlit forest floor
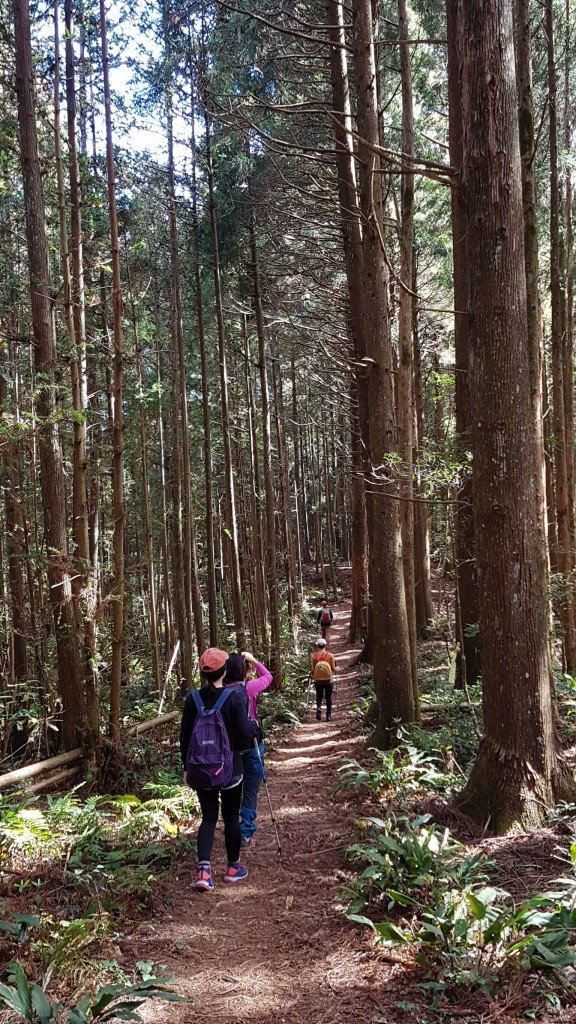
{"points": [[279, 948], [276, 949]]}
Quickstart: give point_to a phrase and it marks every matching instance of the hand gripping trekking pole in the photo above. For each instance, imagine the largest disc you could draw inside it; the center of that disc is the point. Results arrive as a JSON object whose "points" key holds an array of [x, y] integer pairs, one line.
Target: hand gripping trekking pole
{"points": [[265, 781]]}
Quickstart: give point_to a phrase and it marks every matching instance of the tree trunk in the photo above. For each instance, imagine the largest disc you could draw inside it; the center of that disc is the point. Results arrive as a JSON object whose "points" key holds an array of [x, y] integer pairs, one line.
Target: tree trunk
{"points": [[391, 642], [467, 582], [73, 289], [51, 472], [353, 258], [256, 505], [117, 416], [560, 393], [271, 569], [293, 598], [518, 772], [404, 384], [208, 480], [231, 526], [423, 592], [359, 540], [569, 299], [15, 542]]}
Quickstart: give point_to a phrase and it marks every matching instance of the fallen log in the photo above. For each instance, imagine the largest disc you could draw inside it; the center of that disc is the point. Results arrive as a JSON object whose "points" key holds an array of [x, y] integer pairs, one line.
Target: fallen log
{"points": [[29, 771], [53, 779], [136, 730], [41, 766]]}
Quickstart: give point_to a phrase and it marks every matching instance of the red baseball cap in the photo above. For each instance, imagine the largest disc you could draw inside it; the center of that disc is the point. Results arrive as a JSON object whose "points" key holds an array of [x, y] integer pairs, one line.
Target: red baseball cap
{"points": [[212, 659], [324, 602]]}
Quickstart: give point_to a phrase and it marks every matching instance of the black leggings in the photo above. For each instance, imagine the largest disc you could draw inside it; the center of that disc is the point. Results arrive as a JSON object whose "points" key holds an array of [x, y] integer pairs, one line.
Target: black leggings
{"points": [[230, 800], [321, 689]]}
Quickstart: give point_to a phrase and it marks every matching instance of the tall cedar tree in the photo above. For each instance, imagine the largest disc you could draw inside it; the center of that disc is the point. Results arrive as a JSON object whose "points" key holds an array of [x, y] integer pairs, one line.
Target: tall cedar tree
{"points": [[518, 772], [60, 572]]}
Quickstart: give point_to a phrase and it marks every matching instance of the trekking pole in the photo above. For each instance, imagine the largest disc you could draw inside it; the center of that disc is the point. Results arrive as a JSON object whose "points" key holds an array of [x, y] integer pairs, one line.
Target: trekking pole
{"points": [[265, 781], [308, 696]]}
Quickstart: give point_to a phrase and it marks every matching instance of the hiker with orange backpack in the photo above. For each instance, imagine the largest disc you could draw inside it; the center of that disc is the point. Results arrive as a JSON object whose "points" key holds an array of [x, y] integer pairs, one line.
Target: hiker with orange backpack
{"points": [[323, 670], [324, 619]]}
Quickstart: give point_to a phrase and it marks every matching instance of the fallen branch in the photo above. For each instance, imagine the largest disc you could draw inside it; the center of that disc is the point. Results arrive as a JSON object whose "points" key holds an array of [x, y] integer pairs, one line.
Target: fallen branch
{"points": [[136, 730], [53, 779], [29, 771], [41, 766]]}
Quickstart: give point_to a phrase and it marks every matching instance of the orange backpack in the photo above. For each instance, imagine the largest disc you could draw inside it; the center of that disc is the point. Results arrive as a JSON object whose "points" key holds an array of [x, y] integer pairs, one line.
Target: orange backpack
{"points": [[322, 671]]}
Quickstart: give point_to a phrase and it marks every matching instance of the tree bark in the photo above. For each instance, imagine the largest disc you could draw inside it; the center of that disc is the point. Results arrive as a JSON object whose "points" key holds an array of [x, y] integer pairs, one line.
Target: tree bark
{"points": [[561, 394], [467, 582], [208, 478], [51, 473], [73, 289], [404, 382], [271, 568], [117, 415], [232, 526], [519, 772], [350, 220], [15, 542], [391, 642]]}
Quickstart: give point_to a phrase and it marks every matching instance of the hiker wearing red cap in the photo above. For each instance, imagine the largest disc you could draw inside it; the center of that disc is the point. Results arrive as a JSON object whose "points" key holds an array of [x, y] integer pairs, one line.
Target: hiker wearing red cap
{"points": [[215, 729], [324, 619]]}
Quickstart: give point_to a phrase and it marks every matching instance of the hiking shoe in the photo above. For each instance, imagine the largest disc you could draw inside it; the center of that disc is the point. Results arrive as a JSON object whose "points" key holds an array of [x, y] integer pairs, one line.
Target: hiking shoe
{"points": [[204, 880], [236, 872], [328, 718], [318, 715], [247, 841]]}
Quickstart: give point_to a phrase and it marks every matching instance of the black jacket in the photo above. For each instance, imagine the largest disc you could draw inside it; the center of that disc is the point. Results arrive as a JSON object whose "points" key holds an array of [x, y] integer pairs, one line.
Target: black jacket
{"points": [[241, 729]]}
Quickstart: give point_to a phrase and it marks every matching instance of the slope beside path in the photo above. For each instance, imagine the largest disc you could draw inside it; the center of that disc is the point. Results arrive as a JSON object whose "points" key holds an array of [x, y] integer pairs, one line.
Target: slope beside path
{"points": [[276, 948]]}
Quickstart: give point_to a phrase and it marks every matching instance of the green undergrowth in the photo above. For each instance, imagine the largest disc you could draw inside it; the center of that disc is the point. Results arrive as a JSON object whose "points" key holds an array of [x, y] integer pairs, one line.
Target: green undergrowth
{"points": [[31, 1002], [80, 867], [416, 887], [108, 845]]}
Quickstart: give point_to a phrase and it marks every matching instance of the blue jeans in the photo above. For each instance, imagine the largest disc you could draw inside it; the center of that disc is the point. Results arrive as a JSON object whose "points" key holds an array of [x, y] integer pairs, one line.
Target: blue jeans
{"points": [[253, 775]]}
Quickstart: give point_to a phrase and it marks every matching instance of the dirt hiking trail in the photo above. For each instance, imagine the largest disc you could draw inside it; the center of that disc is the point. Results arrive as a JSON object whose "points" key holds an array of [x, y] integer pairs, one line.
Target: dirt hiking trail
{"points": [[275, 948]]}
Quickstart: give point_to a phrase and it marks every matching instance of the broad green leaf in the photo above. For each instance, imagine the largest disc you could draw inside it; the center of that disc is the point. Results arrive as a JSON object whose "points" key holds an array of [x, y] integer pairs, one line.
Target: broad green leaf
{"points": [[45, 1011], [390, 933], [359, 919], [402, 898], [18, 976], [10, 997], [477, 908]]}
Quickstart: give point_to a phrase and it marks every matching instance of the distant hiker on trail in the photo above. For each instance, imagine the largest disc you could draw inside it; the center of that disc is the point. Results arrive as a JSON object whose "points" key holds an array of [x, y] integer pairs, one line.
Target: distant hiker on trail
{"points": [[215, 729], [238, 669], [324, 619], [322, 670]]}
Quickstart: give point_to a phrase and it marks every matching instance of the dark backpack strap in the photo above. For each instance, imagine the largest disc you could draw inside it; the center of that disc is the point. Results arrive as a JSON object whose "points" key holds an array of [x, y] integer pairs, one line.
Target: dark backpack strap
{"points": [[221, 700], [204, 711]]}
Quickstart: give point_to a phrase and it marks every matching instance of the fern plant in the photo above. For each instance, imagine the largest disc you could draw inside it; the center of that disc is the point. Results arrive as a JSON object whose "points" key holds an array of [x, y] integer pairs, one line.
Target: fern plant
{"points": [[111, 1002]]}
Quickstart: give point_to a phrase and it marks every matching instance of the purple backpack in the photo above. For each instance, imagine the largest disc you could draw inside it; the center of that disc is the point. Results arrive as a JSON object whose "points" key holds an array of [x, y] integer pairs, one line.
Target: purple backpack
{"points": [[209, 758]]}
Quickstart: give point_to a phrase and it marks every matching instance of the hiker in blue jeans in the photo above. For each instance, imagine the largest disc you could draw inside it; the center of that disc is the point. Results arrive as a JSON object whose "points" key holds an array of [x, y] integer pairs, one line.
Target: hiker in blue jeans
{"points": [[239, 668]]}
